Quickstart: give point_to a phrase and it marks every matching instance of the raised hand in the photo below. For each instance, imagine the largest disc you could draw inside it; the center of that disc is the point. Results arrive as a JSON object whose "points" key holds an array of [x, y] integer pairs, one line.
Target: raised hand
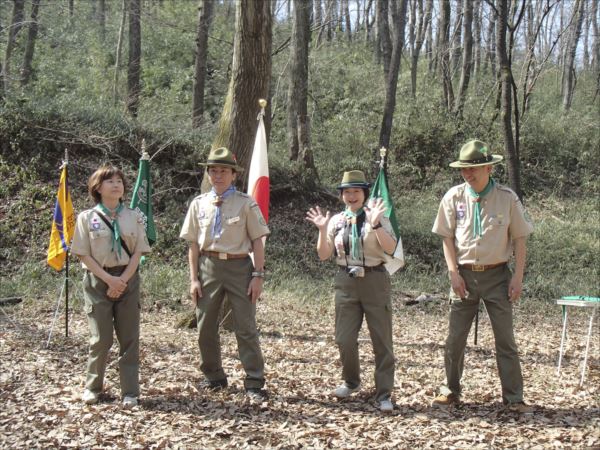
{"points": [[375, 211], [316, 216]]}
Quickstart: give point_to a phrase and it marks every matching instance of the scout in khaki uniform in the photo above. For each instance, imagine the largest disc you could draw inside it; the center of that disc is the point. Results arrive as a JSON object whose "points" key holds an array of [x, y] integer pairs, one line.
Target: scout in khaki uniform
{"points": [[110, 240], [482, 224], [222, 227], [361, 237]]}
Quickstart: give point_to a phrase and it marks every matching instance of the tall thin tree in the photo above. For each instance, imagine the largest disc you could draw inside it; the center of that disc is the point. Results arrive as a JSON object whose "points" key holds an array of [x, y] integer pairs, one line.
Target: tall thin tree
{"points": [[15, 26], [573, 42], [467, 57], [204, 20], [134, 67], [26, 69]]}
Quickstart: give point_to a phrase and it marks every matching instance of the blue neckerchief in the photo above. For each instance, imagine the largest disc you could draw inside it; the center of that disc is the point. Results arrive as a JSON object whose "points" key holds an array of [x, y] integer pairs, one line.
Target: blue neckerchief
{"points": [[217, 201], [477, 228]]}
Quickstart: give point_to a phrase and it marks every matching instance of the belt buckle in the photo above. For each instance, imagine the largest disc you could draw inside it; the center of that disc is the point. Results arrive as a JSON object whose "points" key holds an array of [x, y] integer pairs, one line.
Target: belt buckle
{"points": [[478, 268], [222, 255]]}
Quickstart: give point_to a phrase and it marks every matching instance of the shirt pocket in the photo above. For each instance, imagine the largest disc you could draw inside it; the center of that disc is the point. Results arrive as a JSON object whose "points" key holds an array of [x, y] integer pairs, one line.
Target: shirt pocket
{"points": [[99, 234]]}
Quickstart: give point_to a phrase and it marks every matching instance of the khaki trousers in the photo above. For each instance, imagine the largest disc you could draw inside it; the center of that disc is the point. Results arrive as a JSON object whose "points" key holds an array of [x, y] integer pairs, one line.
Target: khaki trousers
{"points": [[368, 297], [492, 287], [104, 314], [232, 277]]}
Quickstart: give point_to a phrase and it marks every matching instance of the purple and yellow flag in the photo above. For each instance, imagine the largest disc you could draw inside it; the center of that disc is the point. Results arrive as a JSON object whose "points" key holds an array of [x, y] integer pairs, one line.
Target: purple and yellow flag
{"points": [[63, 224]]}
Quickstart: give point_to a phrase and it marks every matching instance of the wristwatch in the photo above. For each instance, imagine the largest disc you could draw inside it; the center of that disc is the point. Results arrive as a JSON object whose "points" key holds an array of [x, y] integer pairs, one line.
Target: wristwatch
{"points": [[258, 274], [377, 226]]}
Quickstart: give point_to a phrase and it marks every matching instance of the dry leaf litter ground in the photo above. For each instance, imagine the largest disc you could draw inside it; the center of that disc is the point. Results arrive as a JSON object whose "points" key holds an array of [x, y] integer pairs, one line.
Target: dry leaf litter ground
{"points": [[40, 387]]}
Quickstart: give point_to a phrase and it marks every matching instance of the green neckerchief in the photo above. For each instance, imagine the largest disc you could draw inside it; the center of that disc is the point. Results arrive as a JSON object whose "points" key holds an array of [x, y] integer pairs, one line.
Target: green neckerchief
{"points": [[116, 231], [355, 247], [477, 228]]}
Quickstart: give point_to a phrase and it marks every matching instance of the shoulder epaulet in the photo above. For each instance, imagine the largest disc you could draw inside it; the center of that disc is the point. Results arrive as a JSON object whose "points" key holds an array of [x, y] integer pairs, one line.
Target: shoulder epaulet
{"points": [[502, 187], [201, 195], [243, 194]]}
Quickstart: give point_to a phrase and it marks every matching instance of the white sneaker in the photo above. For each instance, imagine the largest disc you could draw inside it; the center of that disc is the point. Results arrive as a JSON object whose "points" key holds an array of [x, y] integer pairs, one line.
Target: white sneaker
{"points": [[344, 391], [129, 401], [386, 406], [89, 397]]}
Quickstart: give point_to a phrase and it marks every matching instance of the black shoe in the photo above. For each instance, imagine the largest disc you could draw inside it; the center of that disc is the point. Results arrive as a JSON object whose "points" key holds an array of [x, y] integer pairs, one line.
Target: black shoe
{"points": [[256, 394], [213, 385]]}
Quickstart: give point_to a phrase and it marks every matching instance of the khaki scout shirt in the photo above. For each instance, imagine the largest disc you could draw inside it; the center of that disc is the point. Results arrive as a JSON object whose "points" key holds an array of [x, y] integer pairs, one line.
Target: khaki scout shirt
{"points": [[371, 249], [94, 238], [241, 222], [502, 220]]}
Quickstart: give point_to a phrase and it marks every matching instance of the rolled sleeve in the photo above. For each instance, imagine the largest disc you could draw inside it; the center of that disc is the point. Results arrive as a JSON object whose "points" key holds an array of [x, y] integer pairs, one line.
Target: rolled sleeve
{"points": [[81, 239], [189, 229], [255, 222], [445, 221], [520, 226]]}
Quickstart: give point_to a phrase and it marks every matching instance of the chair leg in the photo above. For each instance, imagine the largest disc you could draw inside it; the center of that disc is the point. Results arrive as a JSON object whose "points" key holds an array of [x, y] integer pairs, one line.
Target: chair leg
{"points": [[562, 339], [587, 347]]}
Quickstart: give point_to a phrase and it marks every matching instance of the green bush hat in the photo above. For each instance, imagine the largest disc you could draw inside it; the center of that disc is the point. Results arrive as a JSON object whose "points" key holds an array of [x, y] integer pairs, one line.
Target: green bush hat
{"points": [[475, 153], [222, 157], [354, 179]]}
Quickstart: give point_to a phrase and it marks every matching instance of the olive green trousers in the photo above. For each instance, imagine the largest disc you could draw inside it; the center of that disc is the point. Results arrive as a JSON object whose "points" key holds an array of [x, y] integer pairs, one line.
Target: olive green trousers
{"points": [[105, 314], [491, 286], [232, 277], [365, 297]]}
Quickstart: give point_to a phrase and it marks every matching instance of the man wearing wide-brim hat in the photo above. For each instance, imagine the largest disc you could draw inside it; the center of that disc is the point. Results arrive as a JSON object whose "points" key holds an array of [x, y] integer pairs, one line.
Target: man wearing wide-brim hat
{"points": [[483, 225], [222, 227]]}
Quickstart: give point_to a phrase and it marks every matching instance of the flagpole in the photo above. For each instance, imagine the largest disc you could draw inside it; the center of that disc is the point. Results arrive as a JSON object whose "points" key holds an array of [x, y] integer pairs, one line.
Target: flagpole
{"points": [[66, 164]]}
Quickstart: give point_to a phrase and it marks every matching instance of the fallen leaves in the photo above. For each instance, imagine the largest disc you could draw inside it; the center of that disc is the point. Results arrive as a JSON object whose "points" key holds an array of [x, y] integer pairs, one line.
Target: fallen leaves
{"points": [[40, 388]]}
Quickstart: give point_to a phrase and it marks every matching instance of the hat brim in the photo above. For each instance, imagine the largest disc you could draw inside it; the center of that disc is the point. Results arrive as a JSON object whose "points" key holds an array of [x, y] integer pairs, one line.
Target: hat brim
{"points": [[460, 165], [222, 164], [354, 185]]}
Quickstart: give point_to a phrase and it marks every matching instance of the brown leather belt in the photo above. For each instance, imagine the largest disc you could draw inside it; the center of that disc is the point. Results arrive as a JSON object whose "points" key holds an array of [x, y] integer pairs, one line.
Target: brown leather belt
{"points": [[377, 268], [222, 255], [481, 267]]}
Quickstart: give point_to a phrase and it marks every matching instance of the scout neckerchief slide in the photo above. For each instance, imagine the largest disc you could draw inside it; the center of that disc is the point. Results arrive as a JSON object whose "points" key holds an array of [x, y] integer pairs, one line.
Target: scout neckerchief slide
{"points": [[218, 201], [477, 228], [113, 225]]}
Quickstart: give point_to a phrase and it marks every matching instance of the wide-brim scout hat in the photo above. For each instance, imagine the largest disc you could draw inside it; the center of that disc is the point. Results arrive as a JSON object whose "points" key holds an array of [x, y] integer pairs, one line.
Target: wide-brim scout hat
{"points": [[354, 179], [222, 157], [475, 153]]}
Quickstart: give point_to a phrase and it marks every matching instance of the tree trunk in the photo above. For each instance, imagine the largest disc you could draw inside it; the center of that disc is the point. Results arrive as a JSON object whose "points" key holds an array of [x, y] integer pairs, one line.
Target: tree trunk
{"points": [[326, 28], [306, 154], [102, 19], [204, 19], [318, 22], [569, 77], [358, 16], [135, 57], [476, 39], [399, 19], [15, 26], [26, 69], [490, 56], [119, 52], [347, 23], [422, 28], [250, 80], [467, 57], [586, 38], [444, 54], [596, 44], [457, 36], [382, 40], [368, 21], [512, 158], [298, 72]]}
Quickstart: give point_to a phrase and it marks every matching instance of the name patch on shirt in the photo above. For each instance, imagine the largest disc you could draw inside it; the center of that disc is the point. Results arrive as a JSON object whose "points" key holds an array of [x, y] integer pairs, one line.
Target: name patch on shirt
{"points": [[233, 220]]}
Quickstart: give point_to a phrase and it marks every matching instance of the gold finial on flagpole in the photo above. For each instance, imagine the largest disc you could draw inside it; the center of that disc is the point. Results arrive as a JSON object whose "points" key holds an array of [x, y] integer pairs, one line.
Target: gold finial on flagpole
{"points": [[382, 154], [65, 161], [144, 153], [262, 103]]}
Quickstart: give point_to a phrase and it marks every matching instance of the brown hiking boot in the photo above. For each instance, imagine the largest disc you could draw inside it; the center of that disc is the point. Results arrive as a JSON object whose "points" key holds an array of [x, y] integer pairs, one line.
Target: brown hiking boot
{"points": [[443, 401], [520, 408]]}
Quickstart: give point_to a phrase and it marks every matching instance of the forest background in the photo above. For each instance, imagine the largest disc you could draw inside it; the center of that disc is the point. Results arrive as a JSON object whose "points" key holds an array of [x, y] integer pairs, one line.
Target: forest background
{"points": [[343, 78]]}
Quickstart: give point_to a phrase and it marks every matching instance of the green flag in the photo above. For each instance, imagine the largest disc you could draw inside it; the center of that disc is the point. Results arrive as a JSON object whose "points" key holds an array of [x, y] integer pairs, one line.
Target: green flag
{"points": [[141, 200], [380, 190]]}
